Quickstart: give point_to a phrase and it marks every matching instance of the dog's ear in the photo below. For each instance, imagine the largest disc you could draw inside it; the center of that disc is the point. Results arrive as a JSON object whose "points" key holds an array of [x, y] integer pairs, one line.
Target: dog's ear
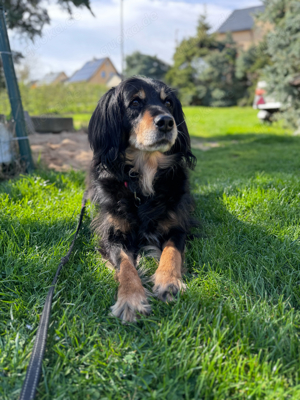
{"points": [[105, 131], [183, 142]]}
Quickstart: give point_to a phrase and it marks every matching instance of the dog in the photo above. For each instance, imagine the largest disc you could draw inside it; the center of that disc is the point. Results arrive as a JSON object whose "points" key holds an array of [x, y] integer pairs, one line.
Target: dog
{"points": [[140, 187]]}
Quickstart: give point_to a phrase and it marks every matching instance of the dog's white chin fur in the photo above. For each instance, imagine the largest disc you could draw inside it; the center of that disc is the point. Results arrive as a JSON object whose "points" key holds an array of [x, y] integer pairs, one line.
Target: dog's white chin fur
{"points": [[150, 144], [153, 148], [146, 164]]}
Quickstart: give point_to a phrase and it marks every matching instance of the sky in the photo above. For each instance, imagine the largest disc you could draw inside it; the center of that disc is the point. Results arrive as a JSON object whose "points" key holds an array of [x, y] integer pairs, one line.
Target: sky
{"points": [[150, 26]]}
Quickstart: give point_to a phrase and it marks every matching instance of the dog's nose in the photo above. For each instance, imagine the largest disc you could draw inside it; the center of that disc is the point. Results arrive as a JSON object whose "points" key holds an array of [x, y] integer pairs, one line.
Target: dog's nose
{"points": [[164, 123]]}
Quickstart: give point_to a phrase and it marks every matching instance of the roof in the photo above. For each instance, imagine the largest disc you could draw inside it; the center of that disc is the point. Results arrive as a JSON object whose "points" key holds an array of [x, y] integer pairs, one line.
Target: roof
{"points": [[49, 78], [87, 71], [240, 20]]}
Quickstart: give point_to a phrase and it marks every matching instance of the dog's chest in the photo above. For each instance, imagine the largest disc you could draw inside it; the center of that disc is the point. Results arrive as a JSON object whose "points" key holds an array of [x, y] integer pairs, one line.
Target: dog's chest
{"points": [[149, 214], [146, 218]]}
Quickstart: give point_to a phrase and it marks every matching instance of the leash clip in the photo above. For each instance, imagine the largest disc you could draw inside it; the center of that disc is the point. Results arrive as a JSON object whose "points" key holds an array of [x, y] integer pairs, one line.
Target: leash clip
{"points": [[137, 200]]}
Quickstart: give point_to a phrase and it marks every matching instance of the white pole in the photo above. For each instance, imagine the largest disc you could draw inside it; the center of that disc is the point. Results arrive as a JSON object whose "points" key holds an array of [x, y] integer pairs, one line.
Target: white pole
{"points": [[122, 41]]}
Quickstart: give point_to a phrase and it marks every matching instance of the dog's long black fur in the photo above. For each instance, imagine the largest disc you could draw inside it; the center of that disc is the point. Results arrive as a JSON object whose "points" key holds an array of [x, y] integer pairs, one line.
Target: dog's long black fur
{"points": [[128, 218]]}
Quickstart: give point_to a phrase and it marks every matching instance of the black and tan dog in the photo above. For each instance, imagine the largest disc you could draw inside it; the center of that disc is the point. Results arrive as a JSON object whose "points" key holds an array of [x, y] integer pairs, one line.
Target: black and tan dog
{"points": [[139, 184]]}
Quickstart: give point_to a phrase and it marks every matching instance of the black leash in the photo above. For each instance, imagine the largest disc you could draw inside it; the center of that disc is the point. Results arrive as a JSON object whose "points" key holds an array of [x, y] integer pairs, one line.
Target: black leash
{"points": [[35, 364]]}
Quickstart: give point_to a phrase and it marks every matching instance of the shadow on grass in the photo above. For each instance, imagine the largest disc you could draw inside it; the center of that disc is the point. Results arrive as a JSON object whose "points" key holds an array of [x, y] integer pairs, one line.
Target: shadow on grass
{"points": [[261, 162], [265, 266], [243, 156], [242, 300], [249, 136]]}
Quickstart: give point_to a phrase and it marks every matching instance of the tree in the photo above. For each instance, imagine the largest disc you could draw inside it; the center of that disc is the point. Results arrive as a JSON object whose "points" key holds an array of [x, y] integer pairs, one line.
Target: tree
{"points": [[249, 66], [17, 56], [223, 87], [204, 69], [283, 47], [189, 61], [143, 64], [30, 16]]}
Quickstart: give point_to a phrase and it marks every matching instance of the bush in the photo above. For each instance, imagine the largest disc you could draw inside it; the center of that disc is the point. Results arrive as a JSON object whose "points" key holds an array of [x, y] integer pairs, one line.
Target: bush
{"points": [[145, 65], [204, 70], [56, 99], [283, 47]]}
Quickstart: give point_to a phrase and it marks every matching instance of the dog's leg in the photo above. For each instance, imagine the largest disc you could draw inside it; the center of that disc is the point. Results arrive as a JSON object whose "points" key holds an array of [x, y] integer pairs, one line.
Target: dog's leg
{"points": [[132, 299], [167, 278]]}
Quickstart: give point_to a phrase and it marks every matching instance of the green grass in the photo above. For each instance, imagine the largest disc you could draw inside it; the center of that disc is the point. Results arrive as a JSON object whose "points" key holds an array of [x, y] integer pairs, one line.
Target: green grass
{"points": [[233, 334], [80, 99], [80, 120], [210, 122]]}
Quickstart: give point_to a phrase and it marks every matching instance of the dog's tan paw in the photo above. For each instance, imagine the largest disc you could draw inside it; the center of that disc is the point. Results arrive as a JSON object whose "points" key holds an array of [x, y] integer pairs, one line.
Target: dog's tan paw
{"points": [[127, 308], [167, 290]]}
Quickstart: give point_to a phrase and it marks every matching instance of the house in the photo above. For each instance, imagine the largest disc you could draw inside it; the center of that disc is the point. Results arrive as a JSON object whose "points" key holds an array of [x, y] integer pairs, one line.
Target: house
{"points": [[98, 71], [51, 79], [114, 81], [245, 31]]}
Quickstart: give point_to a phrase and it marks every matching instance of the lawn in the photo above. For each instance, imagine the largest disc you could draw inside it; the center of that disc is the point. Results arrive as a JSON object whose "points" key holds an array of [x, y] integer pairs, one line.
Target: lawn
{"points": [[233, 334], [210, 122]]}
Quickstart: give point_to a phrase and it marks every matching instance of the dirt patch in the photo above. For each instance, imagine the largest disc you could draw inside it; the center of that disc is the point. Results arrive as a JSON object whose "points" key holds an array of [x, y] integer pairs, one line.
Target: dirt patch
{"points": [[202, 145], [66, 150], [62, 151]]}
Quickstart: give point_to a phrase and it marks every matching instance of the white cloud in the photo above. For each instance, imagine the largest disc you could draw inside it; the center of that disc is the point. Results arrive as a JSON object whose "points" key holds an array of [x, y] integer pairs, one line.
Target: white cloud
{"points": [[149, 26]]}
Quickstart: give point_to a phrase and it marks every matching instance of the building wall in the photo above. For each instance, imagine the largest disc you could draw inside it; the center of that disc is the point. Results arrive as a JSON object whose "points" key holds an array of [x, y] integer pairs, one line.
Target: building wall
{"points": [[247, 38], [104, 73], [60, 78], [244, 39], [114, 81], [260, 30]]}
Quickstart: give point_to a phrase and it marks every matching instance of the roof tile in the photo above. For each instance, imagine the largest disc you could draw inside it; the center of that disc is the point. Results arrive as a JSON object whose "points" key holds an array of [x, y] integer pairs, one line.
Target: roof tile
{"points": [[87, 71], [240, 20]]}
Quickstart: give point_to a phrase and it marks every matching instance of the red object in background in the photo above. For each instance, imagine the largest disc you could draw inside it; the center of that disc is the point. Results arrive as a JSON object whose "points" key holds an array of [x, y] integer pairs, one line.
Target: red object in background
{"points": [[259, 91], [261, 100]]}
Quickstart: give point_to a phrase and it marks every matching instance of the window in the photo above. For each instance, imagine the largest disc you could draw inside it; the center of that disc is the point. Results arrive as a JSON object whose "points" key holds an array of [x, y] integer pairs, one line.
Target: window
{"points": [[103, 74]]}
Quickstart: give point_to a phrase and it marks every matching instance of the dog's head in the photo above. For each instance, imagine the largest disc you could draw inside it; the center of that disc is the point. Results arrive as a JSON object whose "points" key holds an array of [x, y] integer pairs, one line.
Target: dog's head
{"points": [[140, 113]]}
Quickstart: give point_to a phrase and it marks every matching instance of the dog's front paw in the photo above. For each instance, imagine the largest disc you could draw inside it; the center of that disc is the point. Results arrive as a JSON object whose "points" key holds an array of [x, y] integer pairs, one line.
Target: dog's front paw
{"points": [[128, 307], [166, 288]]}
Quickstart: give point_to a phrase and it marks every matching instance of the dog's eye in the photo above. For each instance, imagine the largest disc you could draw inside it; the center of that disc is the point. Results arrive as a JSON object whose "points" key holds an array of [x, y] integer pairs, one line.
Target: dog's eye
{"points": [[168, 103], [135, 103]]}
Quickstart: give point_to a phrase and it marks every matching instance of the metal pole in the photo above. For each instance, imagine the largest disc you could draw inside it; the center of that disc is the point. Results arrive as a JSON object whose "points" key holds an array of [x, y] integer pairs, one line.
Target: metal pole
{"points": [[122, 41], [14, 93]]}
